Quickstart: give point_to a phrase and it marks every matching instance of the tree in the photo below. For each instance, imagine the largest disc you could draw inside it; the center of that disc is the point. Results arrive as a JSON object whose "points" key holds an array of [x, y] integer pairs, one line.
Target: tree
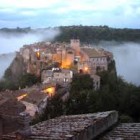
{"points": [[81, 82], [28, 80], [54, 108]]}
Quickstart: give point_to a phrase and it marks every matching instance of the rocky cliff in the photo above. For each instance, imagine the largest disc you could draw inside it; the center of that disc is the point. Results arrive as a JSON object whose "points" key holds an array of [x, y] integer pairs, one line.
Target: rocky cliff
{"points": [[5, 61], [16, 69]]}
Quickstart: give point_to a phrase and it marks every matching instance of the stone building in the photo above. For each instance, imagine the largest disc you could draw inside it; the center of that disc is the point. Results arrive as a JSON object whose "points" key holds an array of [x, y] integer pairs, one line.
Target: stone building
{"points": [[46, 76], [75, 44], [60, 76], [64, 76], [96, 59], [35, 102], [84, 67], [33, 99]]}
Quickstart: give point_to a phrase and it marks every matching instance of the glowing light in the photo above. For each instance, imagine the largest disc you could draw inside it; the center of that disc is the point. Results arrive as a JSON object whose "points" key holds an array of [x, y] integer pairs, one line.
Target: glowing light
{"points": [[50, 91], [38, 55], [86, 69], [66, 64], [21, 97]]}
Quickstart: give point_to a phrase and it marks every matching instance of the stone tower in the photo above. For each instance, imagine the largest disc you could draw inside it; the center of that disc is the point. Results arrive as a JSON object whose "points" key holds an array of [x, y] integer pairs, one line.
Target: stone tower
{"points": [[75, 44]]}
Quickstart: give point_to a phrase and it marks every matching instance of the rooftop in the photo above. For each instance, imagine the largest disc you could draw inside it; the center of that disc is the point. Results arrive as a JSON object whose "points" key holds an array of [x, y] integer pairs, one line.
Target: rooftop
{"points": [[93, 52], [11, 107], [72, 127], [124, 131], [35, 97], [34, 94]]}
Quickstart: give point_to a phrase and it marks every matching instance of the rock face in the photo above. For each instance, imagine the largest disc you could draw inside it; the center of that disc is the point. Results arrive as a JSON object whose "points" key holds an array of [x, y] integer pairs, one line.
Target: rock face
{"points": [[16, 69], [5, 61]]}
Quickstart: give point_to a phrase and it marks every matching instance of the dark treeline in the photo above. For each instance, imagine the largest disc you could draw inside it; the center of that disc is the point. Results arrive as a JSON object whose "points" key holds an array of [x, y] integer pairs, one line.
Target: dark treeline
{"points": [[26, 30], [92, 34], [25, 80], [16, 30], [87, 34]]}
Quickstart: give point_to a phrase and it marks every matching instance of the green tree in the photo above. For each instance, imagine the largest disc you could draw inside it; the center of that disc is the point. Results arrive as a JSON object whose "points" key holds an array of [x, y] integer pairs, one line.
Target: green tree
{"points": [[81, 82], [28, 80]]}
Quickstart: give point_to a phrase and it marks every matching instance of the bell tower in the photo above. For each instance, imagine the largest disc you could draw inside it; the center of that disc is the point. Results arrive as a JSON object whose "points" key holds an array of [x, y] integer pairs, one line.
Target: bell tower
{"points": [[75, 44]]}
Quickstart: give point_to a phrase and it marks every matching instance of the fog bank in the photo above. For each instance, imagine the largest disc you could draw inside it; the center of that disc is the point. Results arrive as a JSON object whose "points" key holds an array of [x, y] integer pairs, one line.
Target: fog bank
{"points": [[126, 54], [127, 58], [12, 41]]}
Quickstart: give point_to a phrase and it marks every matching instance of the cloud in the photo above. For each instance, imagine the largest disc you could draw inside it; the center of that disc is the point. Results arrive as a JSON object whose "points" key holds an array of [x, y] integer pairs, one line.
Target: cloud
{"points": [[42, 13], [28, 13], [11, 42], [28, 3]]}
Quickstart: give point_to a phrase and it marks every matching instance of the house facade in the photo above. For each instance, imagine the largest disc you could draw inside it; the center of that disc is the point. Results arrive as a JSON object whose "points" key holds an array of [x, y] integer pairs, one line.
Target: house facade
{"points": [[59, 76]]}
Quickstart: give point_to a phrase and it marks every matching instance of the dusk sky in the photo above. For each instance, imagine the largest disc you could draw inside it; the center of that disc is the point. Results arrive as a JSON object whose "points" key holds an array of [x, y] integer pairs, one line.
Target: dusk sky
{"points": [[50, 13]]}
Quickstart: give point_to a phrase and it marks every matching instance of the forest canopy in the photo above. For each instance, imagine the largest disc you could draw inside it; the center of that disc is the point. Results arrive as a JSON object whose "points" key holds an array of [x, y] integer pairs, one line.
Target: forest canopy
{"points": [[93, 34]]}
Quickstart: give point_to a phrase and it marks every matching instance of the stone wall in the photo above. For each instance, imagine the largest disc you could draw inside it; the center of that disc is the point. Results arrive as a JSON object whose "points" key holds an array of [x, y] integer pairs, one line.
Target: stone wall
{"points": [[102, 124], [9, 124]]}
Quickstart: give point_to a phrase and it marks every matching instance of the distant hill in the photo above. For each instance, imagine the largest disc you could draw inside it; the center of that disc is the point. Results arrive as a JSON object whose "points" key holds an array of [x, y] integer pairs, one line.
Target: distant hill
{"points": [[38, 34], [27, 30], [87, 34], [93, 34]]}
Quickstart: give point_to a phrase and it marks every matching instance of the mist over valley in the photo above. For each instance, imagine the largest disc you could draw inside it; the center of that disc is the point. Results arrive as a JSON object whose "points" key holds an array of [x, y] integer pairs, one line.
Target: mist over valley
{"points": [[127, 58], [126, 54], [12, 41]]}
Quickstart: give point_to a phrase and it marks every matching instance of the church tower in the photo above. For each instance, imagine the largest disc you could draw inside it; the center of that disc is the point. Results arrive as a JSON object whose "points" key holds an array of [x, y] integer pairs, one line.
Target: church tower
{"points": [[75, 44]]}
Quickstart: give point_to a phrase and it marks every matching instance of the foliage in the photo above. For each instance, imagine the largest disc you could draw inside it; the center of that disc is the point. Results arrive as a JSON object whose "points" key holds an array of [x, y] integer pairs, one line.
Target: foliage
{"points": [[7, 84], [114, 94], [54, 108], [93, 34], [15, 30], [125, 119], [81, 82], [23, 81], [28, 80], [8, 74]]}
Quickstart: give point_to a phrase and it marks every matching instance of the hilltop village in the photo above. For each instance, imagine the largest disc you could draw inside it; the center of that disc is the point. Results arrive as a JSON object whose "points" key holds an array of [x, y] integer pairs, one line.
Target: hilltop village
{"points": [[56, 64]]}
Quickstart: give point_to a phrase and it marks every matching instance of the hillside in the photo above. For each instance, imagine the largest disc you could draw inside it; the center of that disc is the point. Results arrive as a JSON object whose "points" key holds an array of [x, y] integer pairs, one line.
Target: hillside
{"points": [[87, 34], [90, 34]]}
